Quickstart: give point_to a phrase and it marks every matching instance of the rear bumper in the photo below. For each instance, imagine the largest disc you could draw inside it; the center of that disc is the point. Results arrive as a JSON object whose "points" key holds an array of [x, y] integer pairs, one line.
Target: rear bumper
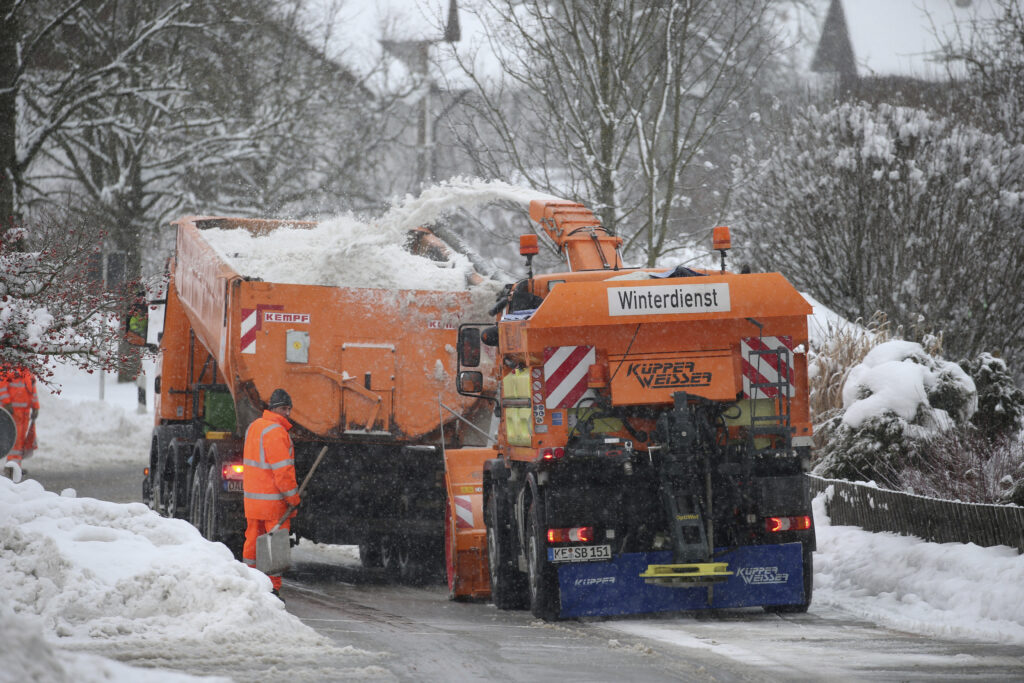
{"points": [[763, 575]]}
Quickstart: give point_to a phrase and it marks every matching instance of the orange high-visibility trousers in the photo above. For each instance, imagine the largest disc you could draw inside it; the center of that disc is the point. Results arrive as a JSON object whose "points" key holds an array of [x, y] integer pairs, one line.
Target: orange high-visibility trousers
{"points": [[255, 528]]}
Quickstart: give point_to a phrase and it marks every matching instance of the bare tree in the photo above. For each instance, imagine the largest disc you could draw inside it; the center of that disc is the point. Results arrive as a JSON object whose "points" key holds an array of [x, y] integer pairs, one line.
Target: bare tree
{"points": [[991, 51], [58, 72], [51, 305], [619, 104]]}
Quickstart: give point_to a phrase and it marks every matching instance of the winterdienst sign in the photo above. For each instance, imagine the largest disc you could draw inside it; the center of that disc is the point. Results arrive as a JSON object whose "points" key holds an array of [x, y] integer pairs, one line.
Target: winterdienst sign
{"points": [[661, 299]]}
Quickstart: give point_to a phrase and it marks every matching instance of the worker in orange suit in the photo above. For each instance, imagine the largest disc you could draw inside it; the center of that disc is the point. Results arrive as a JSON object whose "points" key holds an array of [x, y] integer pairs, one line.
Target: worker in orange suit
{"points": [[268, 476], [18, 395]]}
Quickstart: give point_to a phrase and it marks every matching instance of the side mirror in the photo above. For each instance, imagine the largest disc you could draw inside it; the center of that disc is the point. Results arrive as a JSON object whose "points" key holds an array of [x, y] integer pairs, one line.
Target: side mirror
{"points": [[469, 347], [470, 382]]}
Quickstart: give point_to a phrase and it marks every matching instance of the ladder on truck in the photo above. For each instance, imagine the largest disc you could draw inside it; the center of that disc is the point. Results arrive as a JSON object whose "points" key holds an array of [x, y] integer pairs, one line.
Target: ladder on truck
{"points": [[773, 427]]}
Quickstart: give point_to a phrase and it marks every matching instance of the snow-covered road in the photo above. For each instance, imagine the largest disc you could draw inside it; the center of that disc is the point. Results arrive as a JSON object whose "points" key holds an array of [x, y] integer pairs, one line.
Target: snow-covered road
{"points": [[92, 590]]}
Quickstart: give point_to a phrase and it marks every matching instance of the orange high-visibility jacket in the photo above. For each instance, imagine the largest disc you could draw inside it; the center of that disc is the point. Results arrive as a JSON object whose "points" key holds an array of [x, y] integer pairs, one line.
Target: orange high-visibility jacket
{"points": [[18, 394], [269, 474]]}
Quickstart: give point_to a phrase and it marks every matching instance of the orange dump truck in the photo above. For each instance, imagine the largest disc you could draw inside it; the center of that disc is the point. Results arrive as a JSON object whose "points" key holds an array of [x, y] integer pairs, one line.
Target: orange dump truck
{"points": [[370, 375], [654, 430]]}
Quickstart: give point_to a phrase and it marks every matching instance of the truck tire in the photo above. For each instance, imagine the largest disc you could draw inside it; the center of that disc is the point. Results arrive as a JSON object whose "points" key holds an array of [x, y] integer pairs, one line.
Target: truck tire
{"points": [[195, 499], [196, 486], [542, 579], [799, 608], [390, 549], [507, 588], [369, 554], [213, 517], [177, 482], [160, 458]]}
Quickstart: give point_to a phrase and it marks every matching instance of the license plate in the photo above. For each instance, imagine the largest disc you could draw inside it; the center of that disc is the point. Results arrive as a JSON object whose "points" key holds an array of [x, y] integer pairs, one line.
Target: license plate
{"points": [[233, 486], [580, 553]]}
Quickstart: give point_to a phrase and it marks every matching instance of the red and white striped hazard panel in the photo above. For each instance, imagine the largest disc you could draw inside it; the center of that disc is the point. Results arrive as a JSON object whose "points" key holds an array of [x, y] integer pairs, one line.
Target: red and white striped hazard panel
{"points": [[765, 368], [463, 512], [250, 323], [565, 374]]}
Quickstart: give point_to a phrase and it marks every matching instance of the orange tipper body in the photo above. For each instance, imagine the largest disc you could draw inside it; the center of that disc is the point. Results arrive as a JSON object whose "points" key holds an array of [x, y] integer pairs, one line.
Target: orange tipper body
{"points": [[653, 435], [370, 375], [358, 363]]}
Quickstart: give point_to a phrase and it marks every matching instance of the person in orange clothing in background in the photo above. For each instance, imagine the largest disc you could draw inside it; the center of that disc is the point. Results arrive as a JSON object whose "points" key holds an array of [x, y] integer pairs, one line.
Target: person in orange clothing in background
{"points": [[18, 395], [268, 478]]}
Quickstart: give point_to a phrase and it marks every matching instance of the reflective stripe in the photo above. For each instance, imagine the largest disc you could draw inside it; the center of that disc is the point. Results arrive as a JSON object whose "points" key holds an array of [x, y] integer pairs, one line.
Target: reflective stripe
{"points": [[266, 496], [264, 466], [20, 385], [18, 405], [251, 563], [291, 492], [263, 454]]}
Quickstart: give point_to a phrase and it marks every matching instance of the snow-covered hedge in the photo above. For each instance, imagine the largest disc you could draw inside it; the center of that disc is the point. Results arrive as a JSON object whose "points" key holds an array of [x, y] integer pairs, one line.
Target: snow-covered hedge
{"points": [[918, 423], [897, 399]]}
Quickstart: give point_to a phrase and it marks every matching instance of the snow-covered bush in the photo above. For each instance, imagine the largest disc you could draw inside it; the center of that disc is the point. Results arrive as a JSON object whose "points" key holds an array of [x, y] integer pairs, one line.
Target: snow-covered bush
{"points": [[895, 402], [1000, 401]]}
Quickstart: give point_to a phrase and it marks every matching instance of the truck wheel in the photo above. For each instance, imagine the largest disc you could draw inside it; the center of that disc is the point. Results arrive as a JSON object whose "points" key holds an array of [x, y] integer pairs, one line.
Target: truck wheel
{"points": [[177, 505], [389, 556], [411, 568], [799, 608], [196, 484], [369, 554], [507, 590], [543, 580], [213, 522], [195, 499]]}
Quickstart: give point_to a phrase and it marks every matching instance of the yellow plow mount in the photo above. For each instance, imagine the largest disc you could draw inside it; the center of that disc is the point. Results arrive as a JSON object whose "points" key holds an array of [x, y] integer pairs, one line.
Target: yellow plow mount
{"points": [[698, 574]]}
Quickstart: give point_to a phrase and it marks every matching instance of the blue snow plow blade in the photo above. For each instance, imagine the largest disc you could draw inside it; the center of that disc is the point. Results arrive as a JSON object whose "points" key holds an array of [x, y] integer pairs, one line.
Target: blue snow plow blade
{"points": [[762, 575]]}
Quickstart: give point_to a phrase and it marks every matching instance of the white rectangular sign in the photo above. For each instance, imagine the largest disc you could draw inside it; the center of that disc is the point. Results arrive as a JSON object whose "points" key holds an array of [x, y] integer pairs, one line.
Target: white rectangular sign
{"points": [[662, 299]]}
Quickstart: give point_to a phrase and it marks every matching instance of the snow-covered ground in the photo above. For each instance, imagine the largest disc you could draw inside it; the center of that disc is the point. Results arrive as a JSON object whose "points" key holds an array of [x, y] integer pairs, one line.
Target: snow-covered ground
{"points": [[85, 583]]}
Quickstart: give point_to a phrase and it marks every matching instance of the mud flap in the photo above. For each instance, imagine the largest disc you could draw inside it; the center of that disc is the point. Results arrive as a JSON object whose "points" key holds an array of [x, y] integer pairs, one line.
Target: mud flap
{"points": [[762, 575]]}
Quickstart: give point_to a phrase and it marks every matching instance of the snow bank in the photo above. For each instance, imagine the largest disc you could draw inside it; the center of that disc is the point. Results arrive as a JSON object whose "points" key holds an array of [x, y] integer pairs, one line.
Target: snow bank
{"points": [[948, 590], [349, 252], [120, 581]]}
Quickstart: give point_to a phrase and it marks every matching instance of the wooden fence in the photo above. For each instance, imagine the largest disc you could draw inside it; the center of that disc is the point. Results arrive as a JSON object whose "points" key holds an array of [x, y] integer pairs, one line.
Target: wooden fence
{"points": [[941, 521]]}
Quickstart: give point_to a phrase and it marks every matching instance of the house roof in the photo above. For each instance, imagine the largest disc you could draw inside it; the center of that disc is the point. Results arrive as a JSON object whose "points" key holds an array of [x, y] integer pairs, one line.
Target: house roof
{"points": [[896, 37]]}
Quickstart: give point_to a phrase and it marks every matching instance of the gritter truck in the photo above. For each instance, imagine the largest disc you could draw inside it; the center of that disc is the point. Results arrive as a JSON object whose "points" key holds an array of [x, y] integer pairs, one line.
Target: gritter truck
{"points": [[368, 369], [653, 434]]}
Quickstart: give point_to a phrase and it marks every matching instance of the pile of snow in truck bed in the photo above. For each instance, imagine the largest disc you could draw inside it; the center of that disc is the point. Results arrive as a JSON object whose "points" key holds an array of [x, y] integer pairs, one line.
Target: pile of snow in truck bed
{"points": [[349, 252]]}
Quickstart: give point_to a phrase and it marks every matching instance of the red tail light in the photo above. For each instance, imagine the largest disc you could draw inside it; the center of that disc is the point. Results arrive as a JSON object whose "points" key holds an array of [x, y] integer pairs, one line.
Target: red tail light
{"points": [[576, 534], [552, 453], [775, 524], [232, 471]]}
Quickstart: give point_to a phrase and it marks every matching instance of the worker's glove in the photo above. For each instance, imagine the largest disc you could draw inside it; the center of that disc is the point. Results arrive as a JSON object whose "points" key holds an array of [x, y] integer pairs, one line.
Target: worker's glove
{"points": [[35, 413]]}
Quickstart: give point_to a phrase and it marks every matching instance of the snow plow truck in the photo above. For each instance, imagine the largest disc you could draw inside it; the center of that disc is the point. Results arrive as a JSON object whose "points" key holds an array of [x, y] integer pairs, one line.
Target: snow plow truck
{"points": [[366, 369], [653, 434]]}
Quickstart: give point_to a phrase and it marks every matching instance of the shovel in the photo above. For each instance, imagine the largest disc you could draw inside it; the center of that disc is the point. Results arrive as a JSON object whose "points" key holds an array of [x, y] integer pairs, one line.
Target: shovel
{"points": [[274, 548]]}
